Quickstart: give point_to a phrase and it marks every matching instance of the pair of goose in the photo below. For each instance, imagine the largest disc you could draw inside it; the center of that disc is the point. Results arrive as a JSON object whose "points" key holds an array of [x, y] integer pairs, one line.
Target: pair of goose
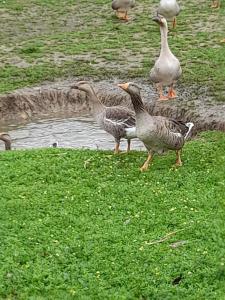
{"points": [[157, 133]]}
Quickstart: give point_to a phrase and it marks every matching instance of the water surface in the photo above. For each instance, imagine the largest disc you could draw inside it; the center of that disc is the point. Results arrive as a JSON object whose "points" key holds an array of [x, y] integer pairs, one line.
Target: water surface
{"points": [[79, 132]]}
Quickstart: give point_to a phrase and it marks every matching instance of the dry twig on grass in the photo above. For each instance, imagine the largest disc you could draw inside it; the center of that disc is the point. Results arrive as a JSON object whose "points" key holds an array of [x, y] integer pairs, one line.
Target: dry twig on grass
{"points": [[165, 238]]}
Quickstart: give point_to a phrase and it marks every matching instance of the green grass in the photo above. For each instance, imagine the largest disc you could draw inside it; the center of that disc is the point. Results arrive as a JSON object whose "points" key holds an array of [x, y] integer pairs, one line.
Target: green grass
{"points": [[35, 33], [76, 224]]}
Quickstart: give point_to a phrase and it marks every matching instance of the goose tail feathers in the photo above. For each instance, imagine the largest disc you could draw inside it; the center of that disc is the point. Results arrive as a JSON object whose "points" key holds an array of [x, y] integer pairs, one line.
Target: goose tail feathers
{"points": [[190, 126]]}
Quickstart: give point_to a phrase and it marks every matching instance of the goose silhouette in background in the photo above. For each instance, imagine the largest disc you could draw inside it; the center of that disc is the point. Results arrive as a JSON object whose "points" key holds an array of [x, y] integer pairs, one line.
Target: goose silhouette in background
{"points": [[167, 69], [122, 7], [169, 9]]}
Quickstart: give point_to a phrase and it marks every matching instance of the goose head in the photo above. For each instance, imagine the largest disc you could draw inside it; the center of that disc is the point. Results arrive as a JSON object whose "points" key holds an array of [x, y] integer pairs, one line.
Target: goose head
{"points": [[135, 94], [84, 86], [160, 20], [130, 88]]}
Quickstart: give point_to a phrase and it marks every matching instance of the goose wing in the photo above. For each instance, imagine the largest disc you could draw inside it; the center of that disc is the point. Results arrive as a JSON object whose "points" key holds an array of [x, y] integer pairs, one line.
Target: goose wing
{"points": [[171, 133], [154, 74], [120, 116], [172, 125], [178, 73]]}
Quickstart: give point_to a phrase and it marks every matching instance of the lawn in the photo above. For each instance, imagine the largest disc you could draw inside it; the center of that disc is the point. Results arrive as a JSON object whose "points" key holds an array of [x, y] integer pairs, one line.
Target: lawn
{"points": [[82, 224], [47, 40]]}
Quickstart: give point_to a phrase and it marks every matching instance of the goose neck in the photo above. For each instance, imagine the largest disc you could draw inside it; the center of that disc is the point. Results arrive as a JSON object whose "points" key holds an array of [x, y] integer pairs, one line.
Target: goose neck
{"points": [[97, 106], [164, 40], [137, 102], [7, 142]]}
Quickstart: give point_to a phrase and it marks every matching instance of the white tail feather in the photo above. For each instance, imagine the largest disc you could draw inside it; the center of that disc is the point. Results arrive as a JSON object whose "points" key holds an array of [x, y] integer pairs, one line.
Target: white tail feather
{"points": [[189, 125], [131, 132]]}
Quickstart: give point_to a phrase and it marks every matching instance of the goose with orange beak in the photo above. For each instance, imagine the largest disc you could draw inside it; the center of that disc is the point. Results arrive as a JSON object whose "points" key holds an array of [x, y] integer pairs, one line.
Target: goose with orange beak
{"points": [[158, 134], [119, 121], [167, 69]]}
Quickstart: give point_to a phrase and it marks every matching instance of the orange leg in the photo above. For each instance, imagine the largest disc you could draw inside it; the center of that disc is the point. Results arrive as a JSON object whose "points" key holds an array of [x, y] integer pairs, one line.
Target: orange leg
{"points": [[171, 93], [174, 22], [147, 162], [119, 14], [122, 15], [160, 91], [126, 17], [178, 158]]}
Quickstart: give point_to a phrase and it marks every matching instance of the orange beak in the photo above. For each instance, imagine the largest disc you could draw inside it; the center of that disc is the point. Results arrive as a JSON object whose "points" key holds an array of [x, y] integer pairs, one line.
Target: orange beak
{"points": [[124, 86]]}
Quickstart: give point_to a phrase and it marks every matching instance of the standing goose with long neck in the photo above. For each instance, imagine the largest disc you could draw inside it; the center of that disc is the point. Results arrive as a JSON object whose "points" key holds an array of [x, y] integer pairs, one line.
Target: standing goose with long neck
{"points": [[169, 9], [117, 120], [167, 69], [158, 134], [5, 137]]}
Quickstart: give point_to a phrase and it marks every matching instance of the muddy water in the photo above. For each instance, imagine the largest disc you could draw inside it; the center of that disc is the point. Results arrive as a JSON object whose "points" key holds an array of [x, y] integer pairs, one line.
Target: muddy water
{"points": [[78, 132]]}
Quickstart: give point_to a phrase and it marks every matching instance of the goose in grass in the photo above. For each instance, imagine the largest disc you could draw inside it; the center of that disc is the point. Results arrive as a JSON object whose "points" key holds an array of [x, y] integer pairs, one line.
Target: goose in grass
{"points": [[169, 9], [167, 69], [158, 134], [118, 121], [215, 4], [122, 7], [5, 137]]}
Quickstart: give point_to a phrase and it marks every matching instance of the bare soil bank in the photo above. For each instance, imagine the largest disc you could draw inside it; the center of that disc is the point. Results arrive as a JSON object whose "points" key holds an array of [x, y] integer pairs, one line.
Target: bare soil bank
{"points": [[193, 103]]}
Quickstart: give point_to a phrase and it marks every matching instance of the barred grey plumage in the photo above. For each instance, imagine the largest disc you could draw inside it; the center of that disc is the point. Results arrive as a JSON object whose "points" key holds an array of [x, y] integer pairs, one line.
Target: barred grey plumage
{"points": [[118, 121], [159, 134]]}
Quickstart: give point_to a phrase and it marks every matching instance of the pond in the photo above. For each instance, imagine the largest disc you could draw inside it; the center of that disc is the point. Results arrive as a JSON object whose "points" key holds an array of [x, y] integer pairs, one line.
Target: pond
{"points": [[73, 132]]}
